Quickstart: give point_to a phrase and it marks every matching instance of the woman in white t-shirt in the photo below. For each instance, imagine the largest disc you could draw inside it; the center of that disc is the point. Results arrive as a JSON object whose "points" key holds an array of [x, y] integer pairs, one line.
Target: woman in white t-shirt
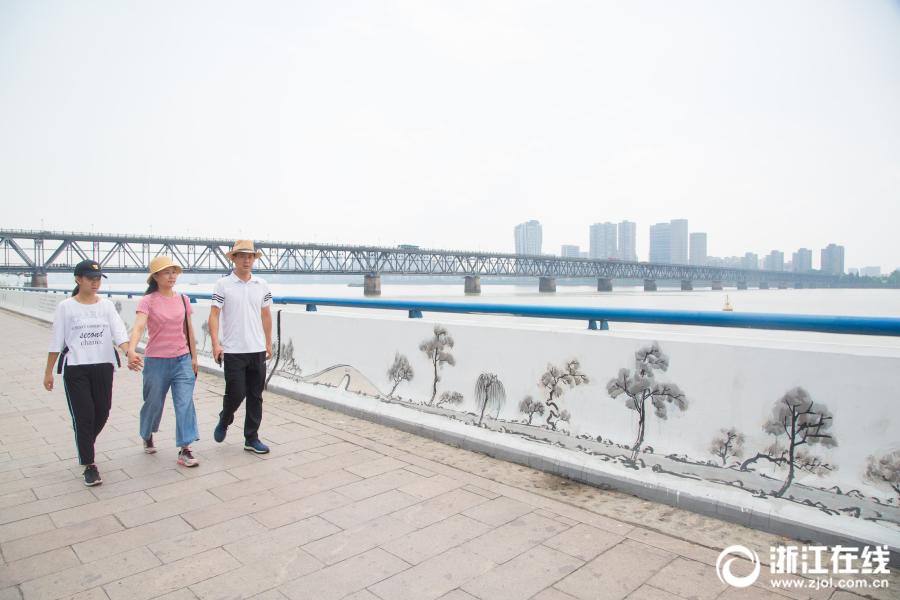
{"points": [[170, 358], [86, 330]]}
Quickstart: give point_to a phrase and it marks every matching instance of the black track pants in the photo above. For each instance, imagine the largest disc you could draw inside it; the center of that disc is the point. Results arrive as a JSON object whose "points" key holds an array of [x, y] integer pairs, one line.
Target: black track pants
{"points": [[89, 393], [245, 376]]}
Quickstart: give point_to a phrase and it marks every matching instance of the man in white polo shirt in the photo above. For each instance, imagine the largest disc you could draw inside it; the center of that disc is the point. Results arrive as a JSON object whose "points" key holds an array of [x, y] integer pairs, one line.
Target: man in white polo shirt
{"points": [[243, 300]]}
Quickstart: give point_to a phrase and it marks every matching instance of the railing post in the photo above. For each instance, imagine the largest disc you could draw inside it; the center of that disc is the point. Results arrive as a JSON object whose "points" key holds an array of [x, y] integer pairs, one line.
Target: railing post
{"points": [[604, 325], [311, 308], [415, 314]]}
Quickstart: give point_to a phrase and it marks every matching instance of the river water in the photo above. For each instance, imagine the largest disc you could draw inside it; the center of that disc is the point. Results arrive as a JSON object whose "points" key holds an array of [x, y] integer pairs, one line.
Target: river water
{"points": [[846, 302]]}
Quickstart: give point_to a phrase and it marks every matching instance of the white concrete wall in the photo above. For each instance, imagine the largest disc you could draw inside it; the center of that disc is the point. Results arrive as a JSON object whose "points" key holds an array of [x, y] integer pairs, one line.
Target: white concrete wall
{"points": [[342, 362]]}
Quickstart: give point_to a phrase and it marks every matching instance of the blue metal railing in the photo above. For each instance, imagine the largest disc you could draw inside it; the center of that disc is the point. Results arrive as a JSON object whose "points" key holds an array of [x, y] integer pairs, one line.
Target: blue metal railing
{"points": [[597, 317]]}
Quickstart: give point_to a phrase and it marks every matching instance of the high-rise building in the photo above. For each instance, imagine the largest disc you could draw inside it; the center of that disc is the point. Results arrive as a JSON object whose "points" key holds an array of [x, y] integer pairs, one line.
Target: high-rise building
{"points": [[871, 271], [833, 259], [659, 243], [802, 260], [627, 241], [584, 255], [750, 261], [603, 240], [570, 252], [775, 261], [698, 249], [528, 238], [678, 242], [715, 261]]}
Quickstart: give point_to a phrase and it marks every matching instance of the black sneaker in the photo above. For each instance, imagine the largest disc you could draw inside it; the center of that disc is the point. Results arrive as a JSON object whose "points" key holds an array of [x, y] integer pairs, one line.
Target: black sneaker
{"points": [[92, 476]]}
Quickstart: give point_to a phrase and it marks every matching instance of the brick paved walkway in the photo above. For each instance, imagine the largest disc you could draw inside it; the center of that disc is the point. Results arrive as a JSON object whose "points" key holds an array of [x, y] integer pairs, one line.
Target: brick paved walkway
{"points": [[333, 512]]}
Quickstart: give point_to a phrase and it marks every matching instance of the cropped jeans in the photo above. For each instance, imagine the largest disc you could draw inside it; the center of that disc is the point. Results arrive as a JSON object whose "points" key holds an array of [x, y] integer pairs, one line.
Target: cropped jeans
{"points": [[160, 374]]}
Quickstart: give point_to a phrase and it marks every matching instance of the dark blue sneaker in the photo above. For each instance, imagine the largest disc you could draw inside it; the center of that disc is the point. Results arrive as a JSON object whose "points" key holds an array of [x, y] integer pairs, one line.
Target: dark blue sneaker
{"points": [[219, 433], [256, 446]]}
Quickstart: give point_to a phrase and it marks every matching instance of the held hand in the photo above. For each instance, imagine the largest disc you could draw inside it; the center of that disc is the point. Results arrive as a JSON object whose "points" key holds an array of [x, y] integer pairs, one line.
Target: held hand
{"points": [[195, 365], [135, 361], [269, 353], [48, 381]]}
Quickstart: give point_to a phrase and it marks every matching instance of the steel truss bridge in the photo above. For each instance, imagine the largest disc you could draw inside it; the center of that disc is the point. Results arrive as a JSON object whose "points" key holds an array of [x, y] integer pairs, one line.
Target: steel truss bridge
{"points": [[41, 252]]}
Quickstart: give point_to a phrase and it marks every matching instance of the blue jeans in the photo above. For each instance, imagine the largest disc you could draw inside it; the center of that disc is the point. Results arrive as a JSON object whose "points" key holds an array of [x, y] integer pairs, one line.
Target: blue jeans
{"points": [[159, 375]]}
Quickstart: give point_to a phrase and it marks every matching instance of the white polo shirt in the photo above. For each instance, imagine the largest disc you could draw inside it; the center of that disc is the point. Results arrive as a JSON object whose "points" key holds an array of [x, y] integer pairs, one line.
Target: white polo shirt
{"points": [[240, 329]]}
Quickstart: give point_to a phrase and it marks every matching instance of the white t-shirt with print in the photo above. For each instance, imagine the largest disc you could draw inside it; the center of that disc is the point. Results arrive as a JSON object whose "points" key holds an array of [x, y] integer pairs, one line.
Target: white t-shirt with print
{"points": [[89, 331], [241, 303]]}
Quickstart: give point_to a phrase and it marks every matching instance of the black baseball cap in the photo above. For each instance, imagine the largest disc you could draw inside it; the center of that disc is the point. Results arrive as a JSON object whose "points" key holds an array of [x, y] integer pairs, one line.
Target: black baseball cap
{"points": [[88, 268]]}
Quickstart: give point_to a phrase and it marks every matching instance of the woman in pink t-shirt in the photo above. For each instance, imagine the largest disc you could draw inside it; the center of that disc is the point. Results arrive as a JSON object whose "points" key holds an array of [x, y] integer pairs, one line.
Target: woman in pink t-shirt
{"points": [[170, 358]]}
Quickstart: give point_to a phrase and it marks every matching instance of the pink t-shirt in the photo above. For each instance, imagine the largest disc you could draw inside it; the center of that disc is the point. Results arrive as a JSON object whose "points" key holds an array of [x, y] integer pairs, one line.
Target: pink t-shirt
{"points": [[165, 323]]}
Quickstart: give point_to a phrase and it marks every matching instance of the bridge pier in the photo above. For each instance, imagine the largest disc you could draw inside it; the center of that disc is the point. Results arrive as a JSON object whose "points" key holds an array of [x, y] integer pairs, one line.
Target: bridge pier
{"points": [[763, 285], [547, 284], [782, 285], [717, 285], [372, 285], [798, 285], [687, 285], [473, 284], [604, 285], [811, 286], [742, 285], [649, 285], [39, 280]]}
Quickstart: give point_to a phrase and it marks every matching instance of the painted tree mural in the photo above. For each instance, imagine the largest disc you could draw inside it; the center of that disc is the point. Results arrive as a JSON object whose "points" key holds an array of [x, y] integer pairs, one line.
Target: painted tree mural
{"points": [[531, 407], [728, 444], [436, 349], [399, 372], [454, 398], [290, 364], [553, 380], [490, 396], [205, 329], [885, 471], [805, 423], [641, 387]]}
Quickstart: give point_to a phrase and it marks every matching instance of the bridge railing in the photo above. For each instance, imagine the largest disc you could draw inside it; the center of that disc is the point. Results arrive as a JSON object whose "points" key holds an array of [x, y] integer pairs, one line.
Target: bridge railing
{"points": [[597, 317]]}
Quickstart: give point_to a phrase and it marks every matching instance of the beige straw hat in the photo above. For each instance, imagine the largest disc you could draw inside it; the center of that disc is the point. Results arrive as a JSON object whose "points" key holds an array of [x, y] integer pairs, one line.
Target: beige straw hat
{"points": [[242, 246], [159, 263]]}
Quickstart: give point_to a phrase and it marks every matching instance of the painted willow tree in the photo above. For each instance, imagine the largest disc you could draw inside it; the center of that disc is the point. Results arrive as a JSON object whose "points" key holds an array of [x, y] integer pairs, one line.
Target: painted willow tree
{"points": [[436, 349], [641, 387], [489, 395], [553, 380], [805, 423]]}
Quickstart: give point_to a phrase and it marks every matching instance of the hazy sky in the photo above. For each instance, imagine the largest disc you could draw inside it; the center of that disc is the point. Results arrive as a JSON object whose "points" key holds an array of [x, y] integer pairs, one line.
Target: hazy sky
{"points": [[768, 125]]}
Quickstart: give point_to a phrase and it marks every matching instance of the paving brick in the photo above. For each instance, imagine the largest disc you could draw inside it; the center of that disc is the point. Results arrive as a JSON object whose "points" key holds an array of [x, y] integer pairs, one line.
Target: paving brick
{"points": [[190, 486], [59, 538], [344, 578], [130, 539], [554, 594], [514, 538], [136, 484], [434, 577], [167, 508], [616, 573], [296, 534], [499, 511], [99, 508], [424, 543], [278, 464], [15, 498], [314, 485], [523, 576], [232, 509], [376, 467], [168, 578], [438, 508], [368, 509], [25, 527], [237, 489], [356, 540], [196, 542], [297, 510], [67, 582], [583, 541], [248, 581], [334, 463], [378, 484], [36, 566], [40, 507]]}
